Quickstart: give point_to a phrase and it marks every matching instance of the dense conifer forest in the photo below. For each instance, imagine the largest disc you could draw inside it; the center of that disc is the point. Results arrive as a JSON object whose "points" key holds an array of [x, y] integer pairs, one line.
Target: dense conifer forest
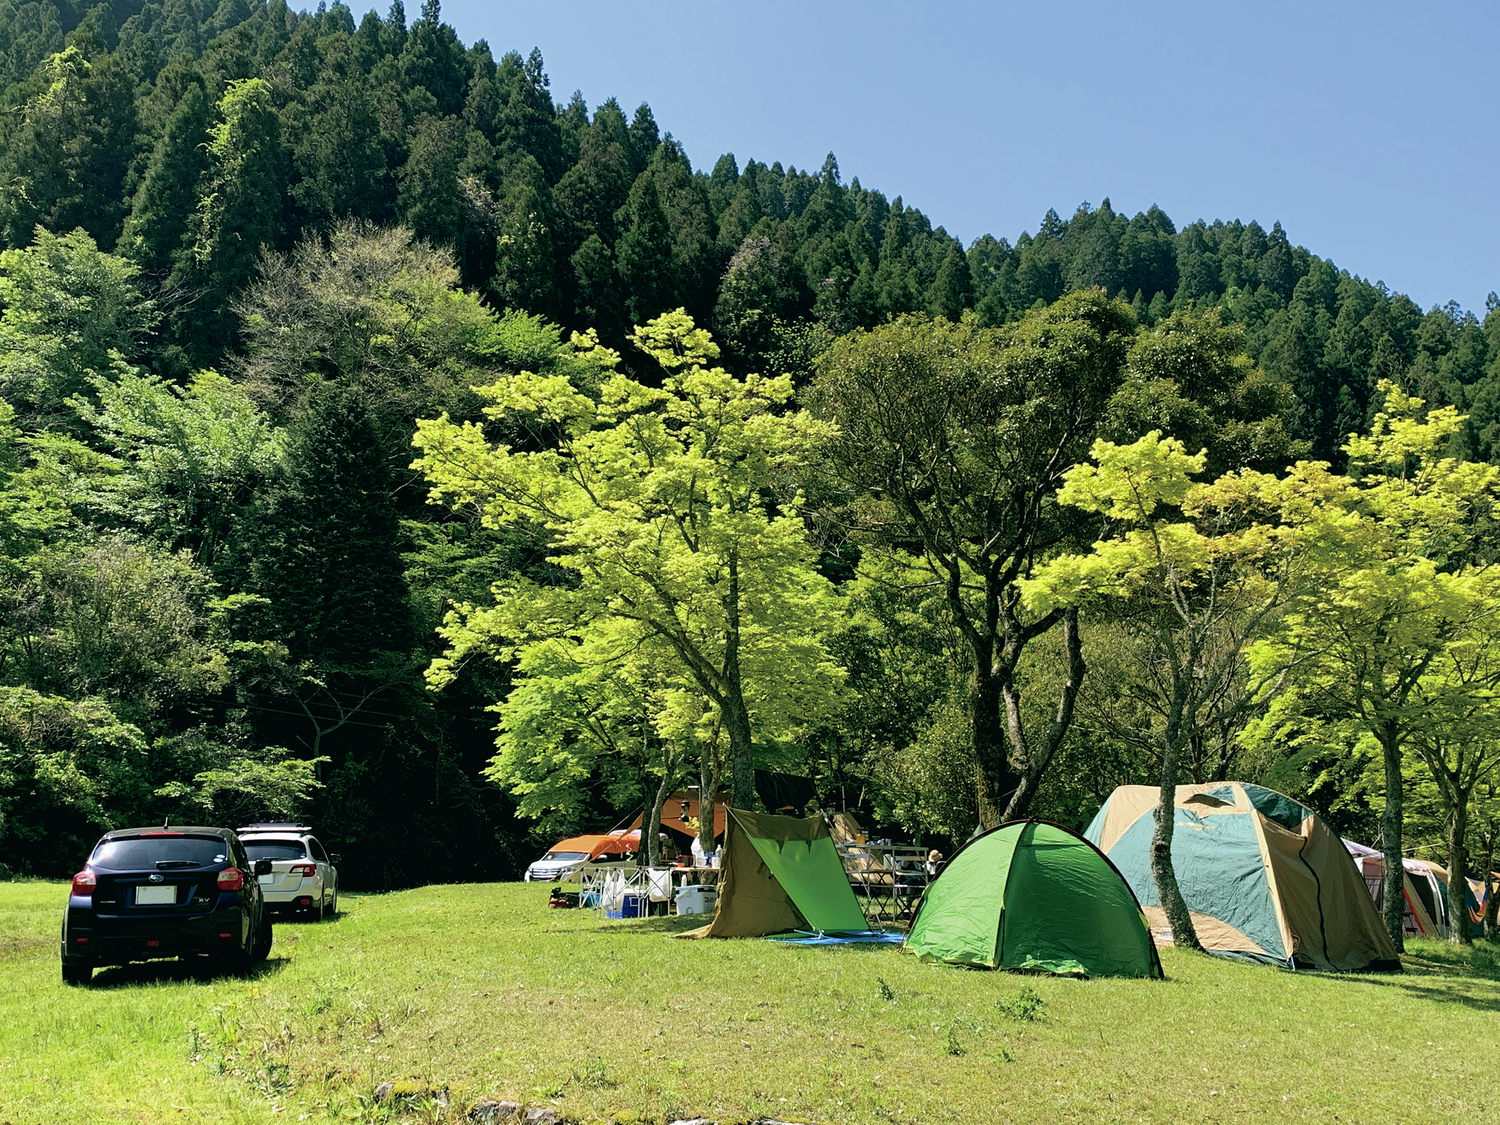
{"points": [[247, 249]]}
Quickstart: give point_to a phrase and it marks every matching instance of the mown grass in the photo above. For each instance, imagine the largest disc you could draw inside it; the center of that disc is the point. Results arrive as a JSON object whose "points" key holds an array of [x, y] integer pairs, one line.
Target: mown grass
{"points": [[481, 990]]}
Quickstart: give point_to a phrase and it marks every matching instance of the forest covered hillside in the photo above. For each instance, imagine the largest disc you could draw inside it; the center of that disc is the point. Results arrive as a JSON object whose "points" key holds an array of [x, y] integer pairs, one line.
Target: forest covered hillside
{"points": [[246, 249], [596, 218]]}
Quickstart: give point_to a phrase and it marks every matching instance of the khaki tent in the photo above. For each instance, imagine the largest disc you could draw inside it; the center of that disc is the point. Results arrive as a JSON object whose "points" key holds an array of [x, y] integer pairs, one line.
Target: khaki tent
{"points": [[1263, 877], [1419, 920], [780, 873]]}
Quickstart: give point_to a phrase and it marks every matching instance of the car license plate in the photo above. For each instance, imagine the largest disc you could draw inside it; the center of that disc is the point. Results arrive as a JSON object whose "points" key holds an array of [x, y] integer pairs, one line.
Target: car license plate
{"points": [[155, 896]]}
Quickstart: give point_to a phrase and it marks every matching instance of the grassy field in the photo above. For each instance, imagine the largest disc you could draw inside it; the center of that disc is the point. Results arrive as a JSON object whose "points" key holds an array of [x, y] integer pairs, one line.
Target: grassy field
{"points": [[457, 992]]}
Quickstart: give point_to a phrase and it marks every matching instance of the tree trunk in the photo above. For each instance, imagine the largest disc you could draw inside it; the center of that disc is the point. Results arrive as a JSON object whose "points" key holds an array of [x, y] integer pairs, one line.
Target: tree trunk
{"points": [[1458, 866], [1184, 934], [1393, 904], [1197, 755], [741, 749], [1226, 754], [652, 850], [708, 786], [995, 778], [736, 714], [1036, 763]]}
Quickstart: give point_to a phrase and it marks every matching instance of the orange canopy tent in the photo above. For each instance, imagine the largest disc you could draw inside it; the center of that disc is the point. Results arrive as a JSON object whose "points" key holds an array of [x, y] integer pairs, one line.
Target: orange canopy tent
{"points": [[671, 813]]}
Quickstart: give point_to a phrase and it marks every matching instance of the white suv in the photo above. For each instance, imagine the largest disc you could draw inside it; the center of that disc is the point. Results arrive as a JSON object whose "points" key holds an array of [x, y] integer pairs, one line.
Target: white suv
{"points": [[303, 877]]}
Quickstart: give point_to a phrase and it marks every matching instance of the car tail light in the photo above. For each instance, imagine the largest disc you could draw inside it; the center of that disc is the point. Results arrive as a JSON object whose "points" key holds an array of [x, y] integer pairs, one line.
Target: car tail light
{"points": [[231, 879], [84, 883], [308, 869]]}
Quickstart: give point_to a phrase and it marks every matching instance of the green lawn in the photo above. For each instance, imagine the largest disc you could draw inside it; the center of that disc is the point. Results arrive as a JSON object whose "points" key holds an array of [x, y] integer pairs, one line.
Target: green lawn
{"points": [[481, 990]]}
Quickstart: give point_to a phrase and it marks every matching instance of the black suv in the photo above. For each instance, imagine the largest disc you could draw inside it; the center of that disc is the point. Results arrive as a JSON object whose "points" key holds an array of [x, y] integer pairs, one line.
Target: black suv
{"points": [[166, 892]]}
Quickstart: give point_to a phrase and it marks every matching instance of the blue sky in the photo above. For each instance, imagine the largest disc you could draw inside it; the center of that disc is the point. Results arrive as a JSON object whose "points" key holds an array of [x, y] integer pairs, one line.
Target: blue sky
{"points": [[1368, 129]]}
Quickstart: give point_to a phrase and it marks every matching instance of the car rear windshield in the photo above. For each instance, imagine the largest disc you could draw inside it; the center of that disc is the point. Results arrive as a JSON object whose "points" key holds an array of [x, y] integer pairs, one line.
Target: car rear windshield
{"points": [[136, 853], [275, 849], [567, 855]]}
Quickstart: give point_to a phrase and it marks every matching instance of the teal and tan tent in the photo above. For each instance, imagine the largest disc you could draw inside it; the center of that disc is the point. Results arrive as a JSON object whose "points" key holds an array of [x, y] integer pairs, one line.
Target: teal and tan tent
{"points": [[781, 873], [1034, 896], [1263, 877]]}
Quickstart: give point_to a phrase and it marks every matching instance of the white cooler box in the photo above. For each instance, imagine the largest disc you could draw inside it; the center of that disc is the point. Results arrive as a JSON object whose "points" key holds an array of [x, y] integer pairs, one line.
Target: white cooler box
{"points": [[696, 900]]}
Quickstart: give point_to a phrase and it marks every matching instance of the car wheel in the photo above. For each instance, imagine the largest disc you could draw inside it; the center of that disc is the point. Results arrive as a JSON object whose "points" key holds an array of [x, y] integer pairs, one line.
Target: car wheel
{"points": [[262, 946], [315, 911], [77, 975], [333, 907]]}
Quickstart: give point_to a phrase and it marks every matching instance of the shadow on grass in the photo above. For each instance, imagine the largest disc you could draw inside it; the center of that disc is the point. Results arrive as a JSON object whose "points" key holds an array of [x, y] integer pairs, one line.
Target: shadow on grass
{"points": [[669, 924], [1480, 961], [196, 971], [1481, 995], [1442, 973]]}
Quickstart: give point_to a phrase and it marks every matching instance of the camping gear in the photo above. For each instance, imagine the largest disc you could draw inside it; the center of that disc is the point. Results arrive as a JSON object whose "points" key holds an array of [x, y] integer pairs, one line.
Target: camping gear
{"points": [[887, 878], [780, 873], [632, 905], [696, 899], [1263, 877], [617, 896], [845, 828], [1037, 896], [659, 884], [603, 886]]}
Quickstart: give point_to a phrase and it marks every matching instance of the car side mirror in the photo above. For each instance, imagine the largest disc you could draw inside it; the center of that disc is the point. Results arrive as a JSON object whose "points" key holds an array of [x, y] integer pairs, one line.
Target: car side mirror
{"points": [[334, 857], [262, 867]]}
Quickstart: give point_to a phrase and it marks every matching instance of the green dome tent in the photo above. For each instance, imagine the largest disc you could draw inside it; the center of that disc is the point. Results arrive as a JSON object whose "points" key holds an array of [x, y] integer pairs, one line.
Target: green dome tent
{"points": [[1034, 895], [1262, 876]]}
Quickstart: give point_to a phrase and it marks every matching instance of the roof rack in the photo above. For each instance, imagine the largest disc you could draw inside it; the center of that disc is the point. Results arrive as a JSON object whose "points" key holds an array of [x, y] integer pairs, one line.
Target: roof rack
{"points": [[277, 826]]}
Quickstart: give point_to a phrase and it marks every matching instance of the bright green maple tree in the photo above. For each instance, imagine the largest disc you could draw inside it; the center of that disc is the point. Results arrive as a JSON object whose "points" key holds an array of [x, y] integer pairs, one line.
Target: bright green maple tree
{"points": [[1455, 742], [677, 511], [1405, 594], [1197, 570], [1339, 599], [603, 704]]}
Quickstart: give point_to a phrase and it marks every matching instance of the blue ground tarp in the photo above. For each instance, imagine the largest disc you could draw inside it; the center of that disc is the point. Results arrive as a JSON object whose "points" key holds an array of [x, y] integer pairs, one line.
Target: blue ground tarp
{"points": [[846, 938]]}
